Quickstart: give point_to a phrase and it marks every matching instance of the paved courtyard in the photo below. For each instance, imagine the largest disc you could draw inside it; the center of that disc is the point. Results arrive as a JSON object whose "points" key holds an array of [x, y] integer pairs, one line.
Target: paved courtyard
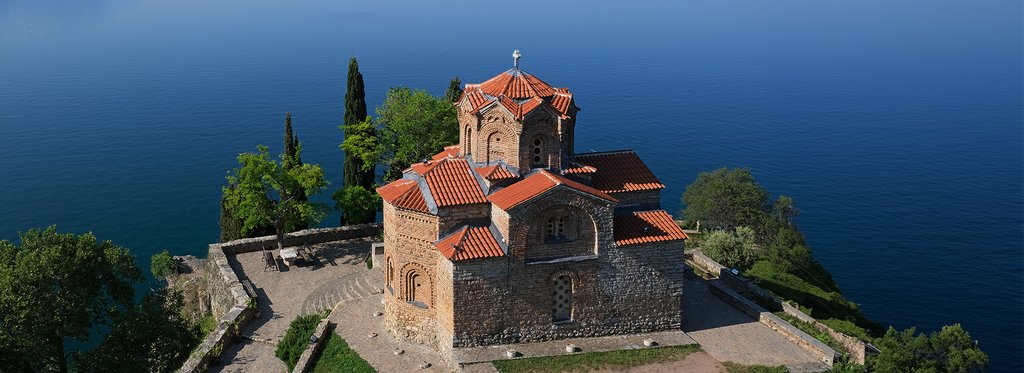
{"points": [[728, 334], [342, 284]]}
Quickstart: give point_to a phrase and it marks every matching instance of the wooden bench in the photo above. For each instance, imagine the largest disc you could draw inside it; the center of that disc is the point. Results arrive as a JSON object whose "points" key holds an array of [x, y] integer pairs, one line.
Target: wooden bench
{"points": [[249, 289]]}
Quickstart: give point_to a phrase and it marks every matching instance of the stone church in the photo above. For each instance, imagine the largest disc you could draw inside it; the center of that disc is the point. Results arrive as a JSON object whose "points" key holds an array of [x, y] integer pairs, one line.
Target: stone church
{"points": [[510, 236]]}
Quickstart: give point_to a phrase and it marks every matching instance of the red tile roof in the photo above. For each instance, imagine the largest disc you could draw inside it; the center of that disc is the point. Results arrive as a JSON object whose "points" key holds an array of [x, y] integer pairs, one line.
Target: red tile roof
{"points": [[495, 172], [520, 93], [621, 171], [577, 169], [404, 193], [646, 227], [448, 152], [535, 185], [451, 182], [469, 243]]}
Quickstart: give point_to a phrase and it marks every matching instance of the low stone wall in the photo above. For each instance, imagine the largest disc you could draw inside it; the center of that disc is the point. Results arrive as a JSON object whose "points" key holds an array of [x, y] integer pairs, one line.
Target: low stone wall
{"points": [[855, 347], [792, 333], [305, 362], [228, 299]]}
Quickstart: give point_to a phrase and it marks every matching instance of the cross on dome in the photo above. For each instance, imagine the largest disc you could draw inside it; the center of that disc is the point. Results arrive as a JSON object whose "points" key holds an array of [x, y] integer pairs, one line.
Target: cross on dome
{"points": [[515, 58]]}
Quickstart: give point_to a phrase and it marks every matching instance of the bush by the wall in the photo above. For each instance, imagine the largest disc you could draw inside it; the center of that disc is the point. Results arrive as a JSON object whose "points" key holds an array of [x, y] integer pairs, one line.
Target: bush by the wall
{"points": [[296, 339]]}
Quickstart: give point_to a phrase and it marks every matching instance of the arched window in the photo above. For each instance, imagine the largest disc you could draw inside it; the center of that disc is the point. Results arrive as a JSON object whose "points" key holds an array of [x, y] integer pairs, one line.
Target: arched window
{"points": [[556, 228], [538, 153], [561, 299], [469, 141], [389, 274]]}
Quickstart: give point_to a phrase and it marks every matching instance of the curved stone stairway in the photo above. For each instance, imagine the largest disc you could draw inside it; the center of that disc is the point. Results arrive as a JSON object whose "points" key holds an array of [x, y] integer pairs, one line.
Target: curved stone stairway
{"points": [[329, 295]]}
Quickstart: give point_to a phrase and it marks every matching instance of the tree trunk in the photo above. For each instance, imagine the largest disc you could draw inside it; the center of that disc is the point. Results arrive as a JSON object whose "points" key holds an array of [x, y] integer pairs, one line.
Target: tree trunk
{"points": [[279, 227]]}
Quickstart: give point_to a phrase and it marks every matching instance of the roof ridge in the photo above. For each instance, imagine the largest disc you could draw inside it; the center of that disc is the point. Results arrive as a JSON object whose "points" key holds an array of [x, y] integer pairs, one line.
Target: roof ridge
{"points": [[551, 177], [622, 151]]}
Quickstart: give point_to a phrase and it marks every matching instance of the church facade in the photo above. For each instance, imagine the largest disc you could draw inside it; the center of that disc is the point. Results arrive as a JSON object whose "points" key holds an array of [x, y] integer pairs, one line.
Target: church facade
{"points": [[510, 236]]}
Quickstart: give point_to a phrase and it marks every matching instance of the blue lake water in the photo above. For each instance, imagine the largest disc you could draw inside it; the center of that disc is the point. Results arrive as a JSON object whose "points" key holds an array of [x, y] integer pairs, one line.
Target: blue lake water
{"points": [[896, 126]]}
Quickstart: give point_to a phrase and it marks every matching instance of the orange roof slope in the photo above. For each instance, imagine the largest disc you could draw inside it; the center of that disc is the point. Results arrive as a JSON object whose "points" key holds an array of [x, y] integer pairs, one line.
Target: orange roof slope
{"points": [[404, 193], [537, 184], [448, 152], [646, 227], [495, 172], [520, 92], [469, 243], [621, 171], [451, 183]]}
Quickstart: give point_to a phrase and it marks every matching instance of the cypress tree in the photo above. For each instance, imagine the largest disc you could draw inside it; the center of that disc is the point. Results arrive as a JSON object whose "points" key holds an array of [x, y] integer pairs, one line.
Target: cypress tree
{"points": [[293, 158], [355, 112], [454, 90]]}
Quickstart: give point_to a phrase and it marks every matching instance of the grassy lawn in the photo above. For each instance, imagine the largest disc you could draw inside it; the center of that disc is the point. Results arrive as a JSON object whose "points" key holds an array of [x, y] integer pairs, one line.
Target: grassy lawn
{"points": [[589, 361], [740, 368], [338, 357]]}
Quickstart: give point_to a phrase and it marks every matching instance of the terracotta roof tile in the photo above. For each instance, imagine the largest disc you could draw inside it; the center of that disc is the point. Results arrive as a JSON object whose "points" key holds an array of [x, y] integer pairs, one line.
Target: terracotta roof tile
{"points": [[577, 169], [621, 171], [404, 193], [535, 185], [451, 183], [646, 227], [495, 172], [519, 92], [448, 152], [469, 243]]}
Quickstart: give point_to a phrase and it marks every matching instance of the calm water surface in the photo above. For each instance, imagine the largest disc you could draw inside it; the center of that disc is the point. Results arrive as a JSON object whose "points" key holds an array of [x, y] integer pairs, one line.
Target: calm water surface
{"points": [[896, 126]]}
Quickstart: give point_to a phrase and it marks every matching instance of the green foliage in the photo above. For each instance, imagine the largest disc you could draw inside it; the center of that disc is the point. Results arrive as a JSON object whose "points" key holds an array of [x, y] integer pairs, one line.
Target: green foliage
{"points": [[583, 362], [162, 264], [56, 287], [152, 336], [413, 125], [844, 367], [725, 198], [339, 357], [260, 179], [296, 339], [358, 205], [369, 262], [787, 250], [846, 327], [206, 324], [731, 249], [360, 160], [948, 350], [231, 224], [454, 90]]}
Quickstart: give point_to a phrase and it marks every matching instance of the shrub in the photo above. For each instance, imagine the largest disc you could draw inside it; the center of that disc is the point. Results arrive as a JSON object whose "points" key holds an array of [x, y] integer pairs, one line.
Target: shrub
{"points": [[296, 339], [162, 264], [733, 250], [339, 357]]}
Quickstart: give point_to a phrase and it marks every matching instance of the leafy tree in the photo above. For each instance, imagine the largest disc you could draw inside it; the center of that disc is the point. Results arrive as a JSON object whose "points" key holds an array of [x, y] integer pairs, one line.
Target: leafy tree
{"points": [[784, 209], [788, 251], [162, 264], [726, 198], [732, 249], [357, 204], [260, 180], [152, 336], [454, 90], [948, 350], [358, 170], [231, 224], [360, 142], [413, 125], [56, 287]]}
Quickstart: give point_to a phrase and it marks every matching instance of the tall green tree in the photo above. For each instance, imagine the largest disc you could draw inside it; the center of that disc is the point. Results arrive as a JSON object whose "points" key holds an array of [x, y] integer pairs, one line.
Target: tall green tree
{"points": [[413, 125], [292, 158], [726, 198], [357, 204], [949, 350], [357, 171], [152, 336], [454, 90], [261, 193], [57, 287]]}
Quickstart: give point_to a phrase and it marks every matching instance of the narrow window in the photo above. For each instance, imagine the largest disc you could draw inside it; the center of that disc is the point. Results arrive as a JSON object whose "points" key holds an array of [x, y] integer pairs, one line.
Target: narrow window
{"points": [[561, 298], [556, 228], [389, 274]]}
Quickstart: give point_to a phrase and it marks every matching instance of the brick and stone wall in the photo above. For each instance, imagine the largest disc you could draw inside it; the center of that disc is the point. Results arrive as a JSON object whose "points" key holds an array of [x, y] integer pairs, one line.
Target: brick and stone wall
{"points": [[638, 201]]}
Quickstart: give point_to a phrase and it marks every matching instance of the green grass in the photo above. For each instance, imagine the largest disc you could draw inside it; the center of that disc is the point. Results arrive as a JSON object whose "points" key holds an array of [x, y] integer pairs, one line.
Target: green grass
{"points": [[740, 368], [338, 357], [584, 362], [823, 302], [296, 339], [822, 336]]}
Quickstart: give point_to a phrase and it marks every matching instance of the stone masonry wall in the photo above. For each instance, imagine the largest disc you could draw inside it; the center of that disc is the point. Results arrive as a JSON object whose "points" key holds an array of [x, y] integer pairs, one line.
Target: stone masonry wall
{"points": [[409, 244]]}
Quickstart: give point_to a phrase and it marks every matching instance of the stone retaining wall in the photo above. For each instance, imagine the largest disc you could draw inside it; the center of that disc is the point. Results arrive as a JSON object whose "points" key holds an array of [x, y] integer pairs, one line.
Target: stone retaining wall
{"points": [[855, 347], [228, 300]]}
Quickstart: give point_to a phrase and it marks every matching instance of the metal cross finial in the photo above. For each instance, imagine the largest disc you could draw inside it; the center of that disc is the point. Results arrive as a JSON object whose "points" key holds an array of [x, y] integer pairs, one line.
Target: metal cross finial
{"points": [[515, 57]]}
